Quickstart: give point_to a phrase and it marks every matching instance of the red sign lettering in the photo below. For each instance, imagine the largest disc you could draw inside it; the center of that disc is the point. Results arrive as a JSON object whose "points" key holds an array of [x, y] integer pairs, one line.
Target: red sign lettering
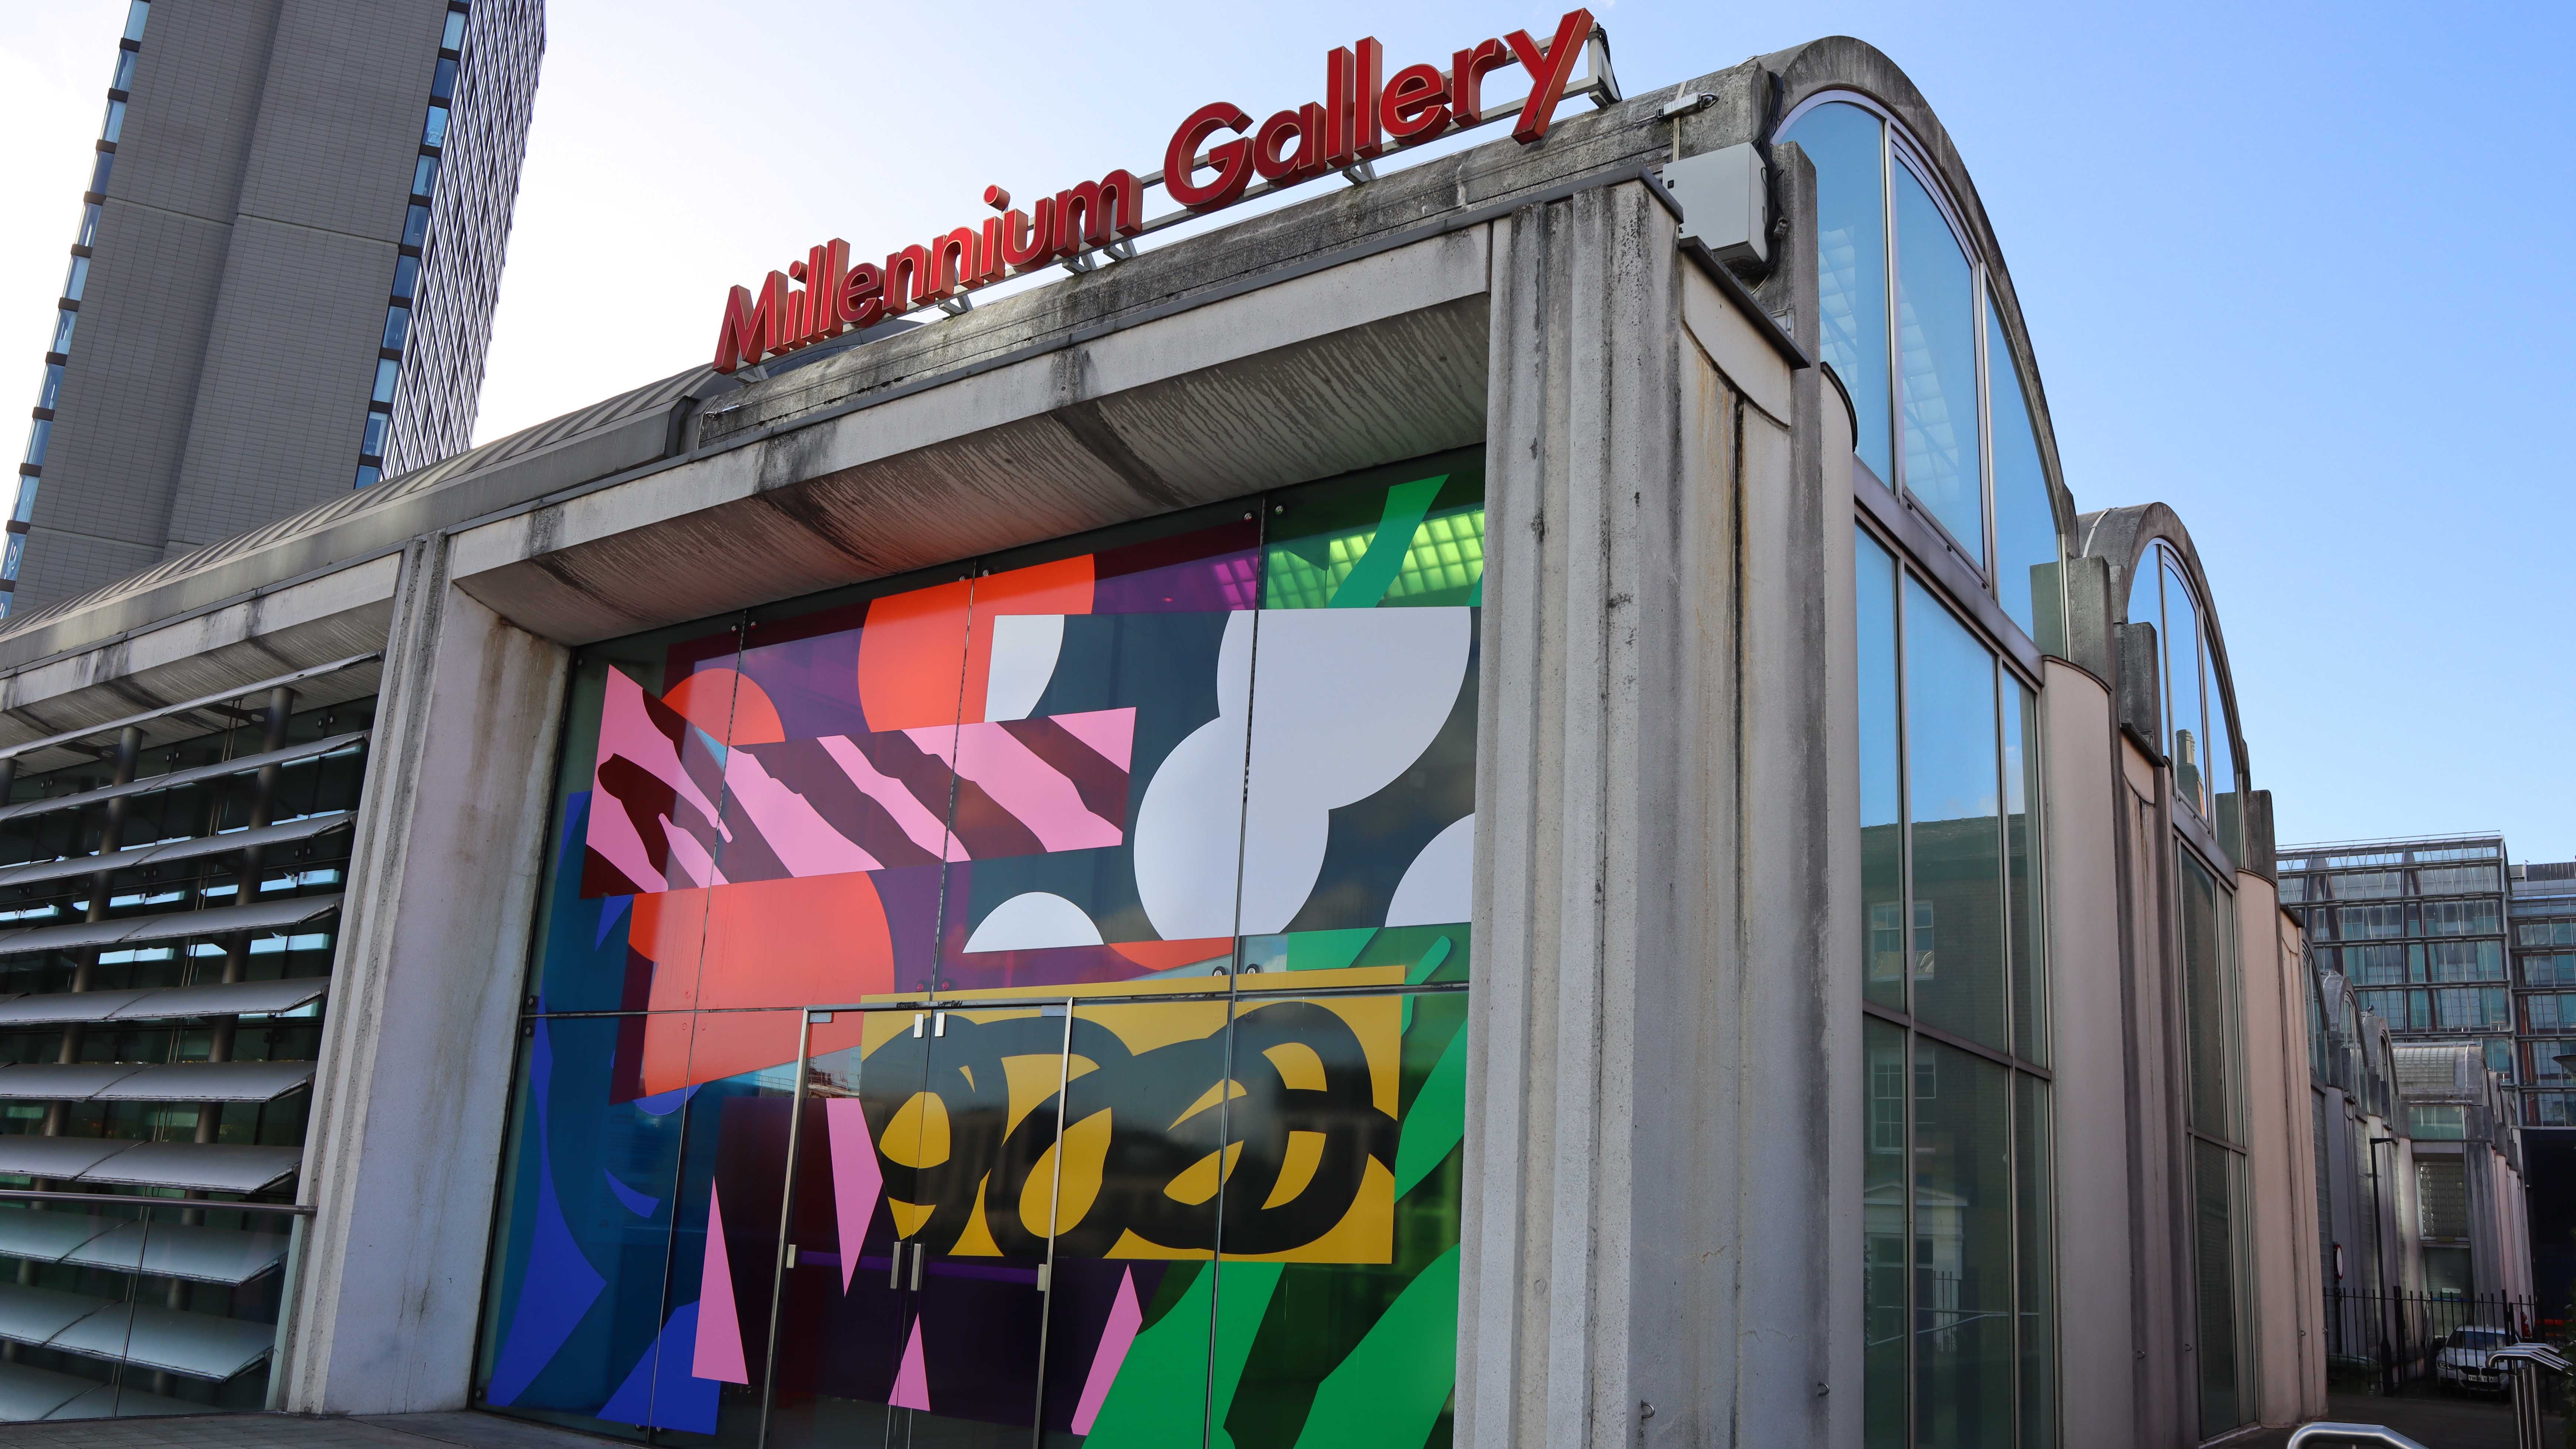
{"points": [[1215, 159]]}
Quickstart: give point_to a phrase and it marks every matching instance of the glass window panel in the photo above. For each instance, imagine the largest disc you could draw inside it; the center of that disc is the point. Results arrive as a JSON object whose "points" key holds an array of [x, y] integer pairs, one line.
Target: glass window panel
{"points": [[387, 372], [2214, 1239], [2208, 985], [406, 275], [88, 227], [1884, 1239], [39, 434], [415, 226], [1844, 142], [2227, 814], [433, 130], [64, 322], [100, 170], [1953, 791], [52, 390], [1129, 632], [589, 1185], [1882, 802], [114, 123], [26, 509], [136, 13], [1936, 332], [1358, 807], [2189, 748], [372, 444], [424, 175], [2026, 542], [397, 327], [442, 81], [2035, 1181], [1354, 1315], [2025, 885], [453, 37], [1962, 1235], [368, 475], [16, 555]]}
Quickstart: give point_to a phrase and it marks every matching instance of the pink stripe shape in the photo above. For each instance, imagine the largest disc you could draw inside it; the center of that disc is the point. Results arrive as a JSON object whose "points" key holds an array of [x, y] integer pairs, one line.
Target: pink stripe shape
{"points": [[719, 1349], [1026, 786], [1118, 1336], [856, 1178], [802, 839], [912, 1381], [918, 823], [689, 860], [1109, 732]]}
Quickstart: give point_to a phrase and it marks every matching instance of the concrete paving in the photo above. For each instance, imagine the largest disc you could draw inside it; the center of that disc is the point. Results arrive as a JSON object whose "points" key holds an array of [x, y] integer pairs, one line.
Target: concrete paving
{"points": [[256, 1431]]}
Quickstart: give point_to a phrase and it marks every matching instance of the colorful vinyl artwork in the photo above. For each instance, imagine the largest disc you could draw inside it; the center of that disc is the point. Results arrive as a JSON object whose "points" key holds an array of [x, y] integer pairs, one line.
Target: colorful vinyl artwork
{"points": [[1126, 885]]}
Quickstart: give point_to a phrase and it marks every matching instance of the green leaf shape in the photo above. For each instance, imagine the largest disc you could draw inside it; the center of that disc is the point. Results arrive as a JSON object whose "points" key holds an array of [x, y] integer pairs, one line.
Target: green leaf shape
{"points": [[1389, 1393]]}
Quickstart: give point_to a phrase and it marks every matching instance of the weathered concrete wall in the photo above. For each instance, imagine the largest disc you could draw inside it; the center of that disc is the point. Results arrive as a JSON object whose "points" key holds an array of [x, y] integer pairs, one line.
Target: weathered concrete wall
{"points": [[2282, 1260], [1661, 1248], [411, 1095]]}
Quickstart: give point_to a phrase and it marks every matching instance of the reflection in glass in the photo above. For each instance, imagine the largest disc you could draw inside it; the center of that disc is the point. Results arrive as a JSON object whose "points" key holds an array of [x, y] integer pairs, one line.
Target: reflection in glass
{"points": [[2034, 1182], [1956, 829], [2207, 978], [2029, 942], [2026, 542], [1882, 855], [2214, 1235], [1844, 142], [2189, 734], [1883, 1272], [2227, 801], [1963, 1249], [1936, 338]]}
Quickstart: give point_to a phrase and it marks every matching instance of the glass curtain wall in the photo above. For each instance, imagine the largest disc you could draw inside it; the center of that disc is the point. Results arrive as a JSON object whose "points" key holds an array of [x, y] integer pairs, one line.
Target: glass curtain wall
{"points": [[1961, 1340], [1021, 1003], [1945, 413]]}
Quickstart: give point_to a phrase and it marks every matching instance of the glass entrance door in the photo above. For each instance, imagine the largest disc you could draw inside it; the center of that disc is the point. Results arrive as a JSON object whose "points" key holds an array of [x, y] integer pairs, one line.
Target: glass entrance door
{"points": [[912, 1294]]}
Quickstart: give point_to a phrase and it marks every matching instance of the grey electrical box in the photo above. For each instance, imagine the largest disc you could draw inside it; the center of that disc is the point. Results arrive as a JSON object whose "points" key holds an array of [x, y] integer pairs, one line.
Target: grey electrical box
{"points": [[1725, 204]]}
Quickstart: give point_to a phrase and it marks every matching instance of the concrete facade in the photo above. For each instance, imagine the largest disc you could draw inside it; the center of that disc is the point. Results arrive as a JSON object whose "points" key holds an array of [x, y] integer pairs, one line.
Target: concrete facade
{"points": [[241, 258], [1664, 1137]]}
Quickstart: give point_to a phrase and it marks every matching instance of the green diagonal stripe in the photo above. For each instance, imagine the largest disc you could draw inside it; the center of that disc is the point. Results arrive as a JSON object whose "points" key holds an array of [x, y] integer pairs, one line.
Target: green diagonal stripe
{"points": [[1390, 1390], [1406, 503]]}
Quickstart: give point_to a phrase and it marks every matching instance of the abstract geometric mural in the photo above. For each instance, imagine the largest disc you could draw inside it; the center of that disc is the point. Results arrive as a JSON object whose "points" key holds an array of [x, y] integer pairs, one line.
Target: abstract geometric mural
{"points": [[1056, 849]]}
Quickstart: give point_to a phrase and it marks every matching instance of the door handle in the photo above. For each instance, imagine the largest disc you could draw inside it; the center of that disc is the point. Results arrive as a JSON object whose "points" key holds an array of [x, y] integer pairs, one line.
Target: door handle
{"points": [[919, 1251], [894, 1273]]}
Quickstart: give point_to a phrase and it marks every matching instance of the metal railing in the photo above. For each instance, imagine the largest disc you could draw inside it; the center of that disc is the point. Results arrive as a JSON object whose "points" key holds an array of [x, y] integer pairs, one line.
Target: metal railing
{"points": [[2401, 1335]]}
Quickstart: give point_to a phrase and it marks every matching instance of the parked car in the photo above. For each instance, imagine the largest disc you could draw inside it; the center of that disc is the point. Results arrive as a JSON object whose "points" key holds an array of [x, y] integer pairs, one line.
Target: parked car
{"points": [[2465, 1362]]}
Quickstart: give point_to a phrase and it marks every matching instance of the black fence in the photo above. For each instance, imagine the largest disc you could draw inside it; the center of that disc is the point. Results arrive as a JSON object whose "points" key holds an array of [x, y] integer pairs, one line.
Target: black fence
{"points": [[2396, 1339]]}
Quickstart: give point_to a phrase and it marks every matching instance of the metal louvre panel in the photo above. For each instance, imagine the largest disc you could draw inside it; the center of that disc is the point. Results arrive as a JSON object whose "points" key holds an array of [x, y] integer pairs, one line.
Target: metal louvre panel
{"points": [[178, 1250], [202, 702], [29, 1394], [204, 1166], [199, 1345], [134, 930], [175, 1082], [150, 1003], [246, 764], [170, 852], [175, 1250]]}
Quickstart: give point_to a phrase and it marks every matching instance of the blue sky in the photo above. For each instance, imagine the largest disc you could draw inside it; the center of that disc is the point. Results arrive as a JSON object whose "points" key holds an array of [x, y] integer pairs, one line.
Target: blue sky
{"points": [[2296, 270]]}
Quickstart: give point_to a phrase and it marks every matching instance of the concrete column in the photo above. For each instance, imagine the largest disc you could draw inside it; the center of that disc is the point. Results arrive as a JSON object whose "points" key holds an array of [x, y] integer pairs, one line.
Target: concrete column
{"points": [[411, 1096], [1655, 1231], [2096, 1236]]}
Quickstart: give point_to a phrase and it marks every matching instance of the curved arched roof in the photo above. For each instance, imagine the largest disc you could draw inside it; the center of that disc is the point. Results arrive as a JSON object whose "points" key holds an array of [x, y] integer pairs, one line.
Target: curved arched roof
{"points": [[2120, 537]]}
